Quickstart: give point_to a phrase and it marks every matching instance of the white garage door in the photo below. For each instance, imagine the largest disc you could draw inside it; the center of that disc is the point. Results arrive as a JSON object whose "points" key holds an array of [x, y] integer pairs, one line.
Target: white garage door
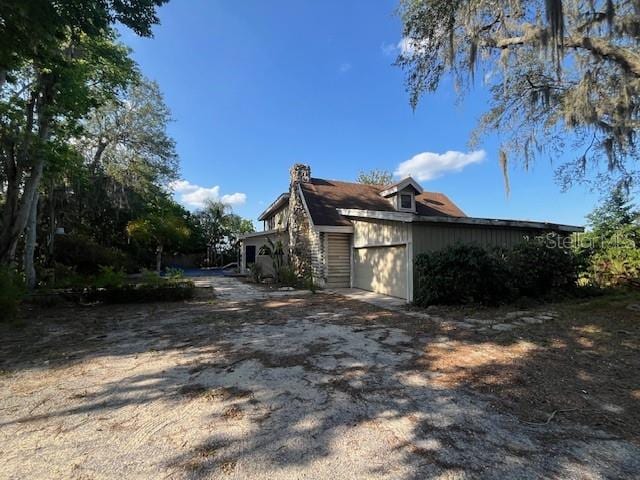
{"points": [[381, 270]]}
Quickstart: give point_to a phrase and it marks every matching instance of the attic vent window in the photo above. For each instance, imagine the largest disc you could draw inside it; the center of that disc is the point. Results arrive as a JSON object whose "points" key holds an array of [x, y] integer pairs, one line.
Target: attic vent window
{"points": [[406, 201]]}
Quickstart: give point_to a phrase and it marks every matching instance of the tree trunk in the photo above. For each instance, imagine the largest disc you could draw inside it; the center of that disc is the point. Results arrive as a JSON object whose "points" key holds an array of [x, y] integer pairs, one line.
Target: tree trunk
{"points": [[16, 212], [159, 259], [30, 244]]}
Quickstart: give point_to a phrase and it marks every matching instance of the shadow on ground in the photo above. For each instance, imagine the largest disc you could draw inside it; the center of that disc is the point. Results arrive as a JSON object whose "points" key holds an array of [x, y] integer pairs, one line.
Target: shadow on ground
{"points": [[319, 387]]}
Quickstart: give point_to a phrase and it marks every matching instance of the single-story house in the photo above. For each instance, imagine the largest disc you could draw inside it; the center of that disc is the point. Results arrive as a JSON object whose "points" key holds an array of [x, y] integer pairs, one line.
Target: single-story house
{"points": [[367, 236]]}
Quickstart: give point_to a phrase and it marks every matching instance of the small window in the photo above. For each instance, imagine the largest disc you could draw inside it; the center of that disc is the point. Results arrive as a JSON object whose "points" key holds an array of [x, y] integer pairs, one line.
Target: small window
{"points": [[406, 201]]}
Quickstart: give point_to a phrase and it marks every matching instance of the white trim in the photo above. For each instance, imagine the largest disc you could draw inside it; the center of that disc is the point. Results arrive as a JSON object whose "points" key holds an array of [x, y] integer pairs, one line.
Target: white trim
{"points": [[334, 229], [275, 206], [377, 214], [264, 233], [488, 222], [306, 208], [401, 186], [400, 208], [380, 245]]}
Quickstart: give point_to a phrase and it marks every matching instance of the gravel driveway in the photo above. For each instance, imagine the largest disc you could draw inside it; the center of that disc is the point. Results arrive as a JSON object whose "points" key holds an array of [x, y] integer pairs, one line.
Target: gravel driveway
{"points": [[314, 386]]}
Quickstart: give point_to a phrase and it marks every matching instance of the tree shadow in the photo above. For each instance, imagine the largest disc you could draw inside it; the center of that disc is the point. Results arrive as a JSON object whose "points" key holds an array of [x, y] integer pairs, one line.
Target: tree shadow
{"points": [[331, 387]]}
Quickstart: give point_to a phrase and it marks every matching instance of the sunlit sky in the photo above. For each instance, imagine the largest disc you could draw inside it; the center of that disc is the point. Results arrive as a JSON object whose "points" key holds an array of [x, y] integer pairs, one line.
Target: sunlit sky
{"points": [[256, 86]]}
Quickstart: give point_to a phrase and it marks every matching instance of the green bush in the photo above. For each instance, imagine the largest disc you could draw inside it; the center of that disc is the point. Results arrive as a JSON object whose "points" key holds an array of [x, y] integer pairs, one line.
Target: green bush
{"points": [[86, 255], [539, 267], [109, 277], [12, 292], [151, 278], [174, 274], [142, 293], [255, 269], [462, 274], [287, 276]]}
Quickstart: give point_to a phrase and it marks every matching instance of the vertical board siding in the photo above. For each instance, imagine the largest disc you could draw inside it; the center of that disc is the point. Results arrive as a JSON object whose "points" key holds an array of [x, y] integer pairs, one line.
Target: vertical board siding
{"points": [[433, 237]]}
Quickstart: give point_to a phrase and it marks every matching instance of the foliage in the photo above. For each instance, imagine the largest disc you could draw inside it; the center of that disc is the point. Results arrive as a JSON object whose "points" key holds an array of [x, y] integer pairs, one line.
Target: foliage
{"points": [[462, 274], [255, 269], [173, 274], [541, 266], [142, 293], [611, 249], [275, 250], [563, 75], [149, 277], [162, 226], [221, 228], [12, 292], [375, 177], [287, 276], [85, 255], [108, 277]]}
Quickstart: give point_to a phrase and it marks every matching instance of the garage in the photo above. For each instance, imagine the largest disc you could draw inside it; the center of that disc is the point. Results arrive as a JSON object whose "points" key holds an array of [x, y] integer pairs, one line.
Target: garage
{"points": [[381, 270]]}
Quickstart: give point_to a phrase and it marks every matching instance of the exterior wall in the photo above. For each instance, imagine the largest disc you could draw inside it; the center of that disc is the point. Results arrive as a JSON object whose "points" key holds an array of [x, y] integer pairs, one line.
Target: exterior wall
{"points": [[432, 237], [338, 263], [278, 220], [381, 270], [375, 232], [382, 257], [264, 260]]}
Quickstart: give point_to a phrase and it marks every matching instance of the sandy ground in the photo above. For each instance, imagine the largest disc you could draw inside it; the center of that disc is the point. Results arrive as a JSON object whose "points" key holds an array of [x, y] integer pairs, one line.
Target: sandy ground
{"points": [[308, 387]]}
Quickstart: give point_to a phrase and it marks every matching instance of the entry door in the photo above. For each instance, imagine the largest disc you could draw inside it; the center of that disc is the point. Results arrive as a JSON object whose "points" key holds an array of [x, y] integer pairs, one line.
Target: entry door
{"points": [[250, 254]]}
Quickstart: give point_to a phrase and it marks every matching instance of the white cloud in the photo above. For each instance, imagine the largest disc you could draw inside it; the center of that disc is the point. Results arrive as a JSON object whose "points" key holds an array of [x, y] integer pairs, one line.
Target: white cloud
{"points": [[195, 196], [345, 67], [428, 165], [406, 47]]}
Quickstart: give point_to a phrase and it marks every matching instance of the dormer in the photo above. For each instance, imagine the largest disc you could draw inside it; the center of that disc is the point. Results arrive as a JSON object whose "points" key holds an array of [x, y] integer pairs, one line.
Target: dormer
{"points": [[402, 195]]}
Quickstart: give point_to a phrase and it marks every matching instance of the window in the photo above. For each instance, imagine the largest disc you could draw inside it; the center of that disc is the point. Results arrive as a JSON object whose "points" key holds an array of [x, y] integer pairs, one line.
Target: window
{"points": [[406, 201]]}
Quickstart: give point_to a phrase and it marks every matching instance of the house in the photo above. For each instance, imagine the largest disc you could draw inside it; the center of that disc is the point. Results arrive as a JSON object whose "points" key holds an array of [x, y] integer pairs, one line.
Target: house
{"points": [[365, 236]]}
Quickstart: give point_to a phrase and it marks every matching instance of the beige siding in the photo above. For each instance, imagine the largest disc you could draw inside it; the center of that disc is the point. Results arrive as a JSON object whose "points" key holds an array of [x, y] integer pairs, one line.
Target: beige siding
{"points": [[378, 232], [432, 237], [264, 260], [338, 260], [381, 270], [278, 220]]}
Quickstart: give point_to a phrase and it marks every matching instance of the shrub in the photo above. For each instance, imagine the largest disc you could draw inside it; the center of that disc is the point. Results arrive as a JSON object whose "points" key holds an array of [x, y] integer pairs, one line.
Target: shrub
{"points": [[167, 292], [461, 274], [538, 267], [109, 277], [149, 277], [287, 276], [86, 255], [256, 272], [173, 274], [12, 292]]}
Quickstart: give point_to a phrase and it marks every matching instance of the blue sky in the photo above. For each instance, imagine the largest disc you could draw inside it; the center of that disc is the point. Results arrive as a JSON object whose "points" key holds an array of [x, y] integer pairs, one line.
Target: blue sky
{"points": [[256, 86]]}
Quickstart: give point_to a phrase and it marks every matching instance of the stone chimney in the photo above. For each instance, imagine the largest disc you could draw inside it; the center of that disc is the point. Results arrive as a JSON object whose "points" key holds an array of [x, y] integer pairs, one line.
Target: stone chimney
{"points": [[300, 173], [299, 226]]}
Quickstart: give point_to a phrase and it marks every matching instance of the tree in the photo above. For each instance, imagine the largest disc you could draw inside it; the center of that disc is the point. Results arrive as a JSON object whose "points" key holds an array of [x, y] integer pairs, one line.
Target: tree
{"points": [[162, 227], [221, 228], [57, 61], [375, 177], [616, 212], [564, 76]]}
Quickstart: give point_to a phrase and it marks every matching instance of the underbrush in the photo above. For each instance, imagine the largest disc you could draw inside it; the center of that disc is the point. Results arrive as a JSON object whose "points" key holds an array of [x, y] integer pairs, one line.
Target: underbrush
{"points": [[12, 292]]}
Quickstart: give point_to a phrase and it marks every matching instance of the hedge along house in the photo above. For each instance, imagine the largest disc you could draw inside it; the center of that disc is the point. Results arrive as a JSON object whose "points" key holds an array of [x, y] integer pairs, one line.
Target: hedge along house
{"points": [[366, 236]]}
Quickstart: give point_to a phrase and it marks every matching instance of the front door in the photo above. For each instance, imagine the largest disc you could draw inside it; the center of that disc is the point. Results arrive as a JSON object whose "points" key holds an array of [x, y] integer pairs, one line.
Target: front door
{"points": [[250, 254]]}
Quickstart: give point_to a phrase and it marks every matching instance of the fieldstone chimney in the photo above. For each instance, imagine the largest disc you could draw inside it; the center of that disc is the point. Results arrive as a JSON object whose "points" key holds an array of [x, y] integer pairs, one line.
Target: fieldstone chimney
{"points": [[299, 226]]}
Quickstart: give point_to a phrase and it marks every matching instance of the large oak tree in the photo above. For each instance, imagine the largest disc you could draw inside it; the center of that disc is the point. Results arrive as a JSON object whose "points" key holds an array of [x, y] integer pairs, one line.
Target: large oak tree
{"points": [[564, 76]]}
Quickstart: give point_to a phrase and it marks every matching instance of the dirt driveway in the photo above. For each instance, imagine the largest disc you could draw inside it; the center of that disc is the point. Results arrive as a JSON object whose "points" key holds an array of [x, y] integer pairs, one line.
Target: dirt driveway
{"points": [[314, 386]]}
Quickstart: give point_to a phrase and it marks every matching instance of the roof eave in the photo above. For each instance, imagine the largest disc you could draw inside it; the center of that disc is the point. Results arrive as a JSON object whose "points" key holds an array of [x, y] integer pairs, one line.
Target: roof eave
{"points": [[274, 206], [488, 222]]}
